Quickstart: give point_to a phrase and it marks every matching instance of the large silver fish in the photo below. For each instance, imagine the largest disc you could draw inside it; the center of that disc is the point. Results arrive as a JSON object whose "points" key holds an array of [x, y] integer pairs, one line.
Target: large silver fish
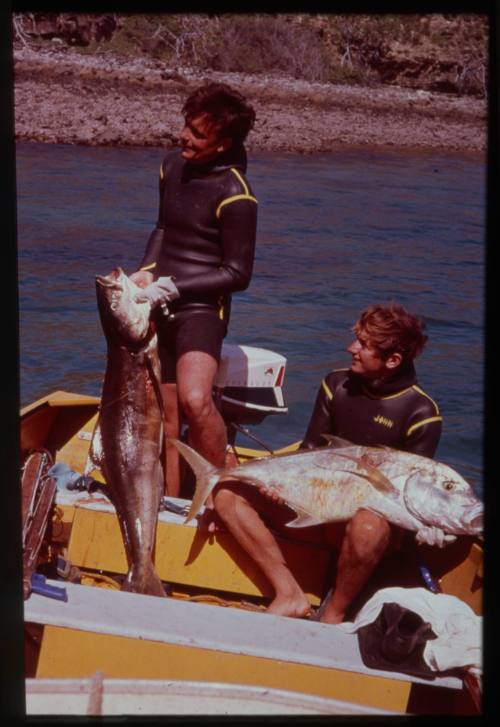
{"points": [[127, 442], [329, 484]]}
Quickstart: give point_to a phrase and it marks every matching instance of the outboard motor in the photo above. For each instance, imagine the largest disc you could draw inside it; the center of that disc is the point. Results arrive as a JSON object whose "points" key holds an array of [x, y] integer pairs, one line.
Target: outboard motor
{"points": [[248, 387]]}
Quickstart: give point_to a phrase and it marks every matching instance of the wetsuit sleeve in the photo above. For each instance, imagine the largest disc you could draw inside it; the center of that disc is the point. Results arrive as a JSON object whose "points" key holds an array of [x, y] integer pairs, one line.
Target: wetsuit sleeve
{"points": [[423, 436], [321, 419], [154, 243], [238, 224], [153, 247]]}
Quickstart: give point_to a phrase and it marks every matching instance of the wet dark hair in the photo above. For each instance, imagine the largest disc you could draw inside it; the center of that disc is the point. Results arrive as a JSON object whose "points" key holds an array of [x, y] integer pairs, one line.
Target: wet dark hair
{"points": [[228, 108], [392, 329]]}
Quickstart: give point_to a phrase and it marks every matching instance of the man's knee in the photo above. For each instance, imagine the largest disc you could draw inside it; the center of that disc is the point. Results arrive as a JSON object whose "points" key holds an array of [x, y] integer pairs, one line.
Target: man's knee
{"points": [[197, 404], [225, 500], [369, 534]]}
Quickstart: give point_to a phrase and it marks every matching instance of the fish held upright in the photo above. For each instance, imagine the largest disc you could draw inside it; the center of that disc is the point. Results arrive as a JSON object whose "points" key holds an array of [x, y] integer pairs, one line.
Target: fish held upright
{"points": [[128, 437]]}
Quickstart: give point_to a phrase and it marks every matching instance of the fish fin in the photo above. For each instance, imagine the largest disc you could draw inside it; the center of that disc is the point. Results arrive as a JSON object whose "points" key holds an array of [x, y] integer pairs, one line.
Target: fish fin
{"points": [[374, 476], [338, 442], [303, 519], [206, 475]]}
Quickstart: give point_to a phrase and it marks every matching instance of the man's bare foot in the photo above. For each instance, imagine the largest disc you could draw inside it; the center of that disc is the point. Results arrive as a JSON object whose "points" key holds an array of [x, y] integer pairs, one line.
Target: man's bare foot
{"points": [[328, 614], [295, 607]]}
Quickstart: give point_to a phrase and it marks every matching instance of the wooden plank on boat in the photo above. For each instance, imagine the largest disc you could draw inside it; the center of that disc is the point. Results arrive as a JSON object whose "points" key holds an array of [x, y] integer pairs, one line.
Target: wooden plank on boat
{"points": [[184, 555], [38, 493], [465, 580]]}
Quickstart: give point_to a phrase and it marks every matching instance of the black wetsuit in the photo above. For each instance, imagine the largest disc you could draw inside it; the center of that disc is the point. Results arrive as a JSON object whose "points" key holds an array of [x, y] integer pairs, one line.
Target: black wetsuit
{"points": [[394, 412], [205, 234]]}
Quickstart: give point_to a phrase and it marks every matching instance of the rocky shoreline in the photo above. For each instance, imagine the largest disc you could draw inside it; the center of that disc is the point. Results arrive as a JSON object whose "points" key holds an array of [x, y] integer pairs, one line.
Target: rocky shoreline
{"points": [[64, 97]]}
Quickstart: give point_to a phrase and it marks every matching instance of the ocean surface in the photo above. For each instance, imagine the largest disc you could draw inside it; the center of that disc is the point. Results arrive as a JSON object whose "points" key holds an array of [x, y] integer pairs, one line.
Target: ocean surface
{"points": [[336, 232]]}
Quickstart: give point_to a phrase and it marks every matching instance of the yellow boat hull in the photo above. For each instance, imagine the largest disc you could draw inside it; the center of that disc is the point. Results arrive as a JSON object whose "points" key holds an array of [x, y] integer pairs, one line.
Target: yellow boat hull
{"points": [[202, 571]]}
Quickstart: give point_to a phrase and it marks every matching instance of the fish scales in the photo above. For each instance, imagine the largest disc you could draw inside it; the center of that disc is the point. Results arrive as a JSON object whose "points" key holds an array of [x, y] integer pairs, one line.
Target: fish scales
{"points": [[329, 484], [129, 429], [319, 484]]}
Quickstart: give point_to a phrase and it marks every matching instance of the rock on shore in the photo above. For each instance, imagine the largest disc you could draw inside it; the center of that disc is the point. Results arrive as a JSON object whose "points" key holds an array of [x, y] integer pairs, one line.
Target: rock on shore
{"points": [[65, 97]]}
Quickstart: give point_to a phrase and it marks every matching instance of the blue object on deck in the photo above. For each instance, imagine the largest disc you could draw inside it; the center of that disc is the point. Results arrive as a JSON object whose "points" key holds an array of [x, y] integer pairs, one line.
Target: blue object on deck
{"points": [[68, 479], [39, 585], [431, 584]]}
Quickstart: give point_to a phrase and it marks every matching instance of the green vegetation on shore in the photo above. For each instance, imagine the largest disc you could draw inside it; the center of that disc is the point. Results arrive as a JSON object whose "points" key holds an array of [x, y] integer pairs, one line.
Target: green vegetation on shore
{"points": [[430, 51]]}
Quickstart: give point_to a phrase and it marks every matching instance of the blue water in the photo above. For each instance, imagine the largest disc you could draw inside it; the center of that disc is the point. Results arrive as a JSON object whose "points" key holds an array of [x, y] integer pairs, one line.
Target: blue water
{"points": [[336, 232]]}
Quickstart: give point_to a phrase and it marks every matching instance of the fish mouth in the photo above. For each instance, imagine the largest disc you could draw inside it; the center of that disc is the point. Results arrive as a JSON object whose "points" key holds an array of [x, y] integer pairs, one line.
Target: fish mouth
{"points": [[111, 280], [475, 518]]}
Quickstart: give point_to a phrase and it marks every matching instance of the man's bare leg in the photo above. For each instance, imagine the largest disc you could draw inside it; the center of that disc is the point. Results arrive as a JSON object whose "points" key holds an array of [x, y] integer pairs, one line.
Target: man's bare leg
{"points": [[172, 426], [241, 518], [196, 373], [366, 540]]}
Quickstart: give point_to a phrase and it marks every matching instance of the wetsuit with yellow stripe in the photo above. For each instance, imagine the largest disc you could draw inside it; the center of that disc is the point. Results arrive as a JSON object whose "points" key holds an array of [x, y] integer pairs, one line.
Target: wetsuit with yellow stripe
{"points": [[205, 233], [393, 412]]}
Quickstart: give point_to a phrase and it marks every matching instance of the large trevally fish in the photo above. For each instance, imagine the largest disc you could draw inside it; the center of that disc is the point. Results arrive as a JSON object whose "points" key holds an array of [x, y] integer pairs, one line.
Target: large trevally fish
{"points": [[127, 441], [328, 484]]}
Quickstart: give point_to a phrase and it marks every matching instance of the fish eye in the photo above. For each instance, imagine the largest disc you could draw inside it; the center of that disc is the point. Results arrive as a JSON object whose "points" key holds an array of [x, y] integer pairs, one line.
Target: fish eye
{"points": [[448, 485]]}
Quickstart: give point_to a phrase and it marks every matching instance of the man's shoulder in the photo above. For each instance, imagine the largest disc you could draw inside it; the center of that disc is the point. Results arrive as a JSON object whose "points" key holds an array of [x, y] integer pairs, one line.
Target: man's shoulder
{"points": [[338, 374], [425, 401], [336, 378], [234, 180], [233, 186], [172, 158]]}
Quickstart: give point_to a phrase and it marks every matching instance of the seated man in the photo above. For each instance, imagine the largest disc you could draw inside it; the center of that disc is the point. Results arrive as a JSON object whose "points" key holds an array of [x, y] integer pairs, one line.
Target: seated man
{"points": [[375, 402]]}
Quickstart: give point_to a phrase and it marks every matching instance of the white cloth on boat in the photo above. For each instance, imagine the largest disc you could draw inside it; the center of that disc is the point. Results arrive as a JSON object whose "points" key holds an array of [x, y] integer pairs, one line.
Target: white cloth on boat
{"points": [[457, 627]]}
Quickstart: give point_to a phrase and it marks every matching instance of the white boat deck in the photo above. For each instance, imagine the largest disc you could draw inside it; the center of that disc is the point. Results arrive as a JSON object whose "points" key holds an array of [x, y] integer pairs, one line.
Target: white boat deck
{"points": [[98, 501], [206, 626]]}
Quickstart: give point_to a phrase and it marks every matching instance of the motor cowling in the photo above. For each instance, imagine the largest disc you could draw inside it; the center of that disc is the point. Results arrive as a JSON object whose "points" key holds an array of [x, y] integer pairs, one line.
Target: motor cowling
{"points": [[249, 384]]}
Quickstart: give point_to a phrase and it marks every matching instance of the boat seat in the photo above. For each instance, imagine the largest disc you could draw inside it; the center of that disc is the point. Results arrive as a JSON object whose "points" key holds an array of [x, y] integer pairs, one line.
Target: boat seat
{"points": [[183, 555]]}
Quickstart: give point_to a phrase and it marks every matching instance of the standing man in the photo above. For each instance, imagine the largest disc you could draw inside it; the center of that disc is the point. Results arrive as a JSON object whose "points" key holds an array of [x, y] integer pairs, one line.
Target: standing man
{"points": [[375, 402], [200, 252]]}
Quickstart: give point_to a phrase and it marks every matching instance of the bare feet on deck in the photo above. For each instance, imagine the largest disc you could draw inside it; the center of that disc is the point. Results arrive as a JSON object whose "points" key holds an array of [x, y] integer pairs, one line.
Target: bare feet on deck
{"points": [[295, 606], [328, 612]]}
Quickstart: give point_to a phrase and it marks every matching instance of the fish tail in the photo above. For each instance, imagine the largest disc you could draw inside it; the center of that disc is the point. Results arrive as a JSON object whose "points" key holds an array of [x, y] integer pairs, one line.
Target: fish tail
{"points": [[206, 475], [144, 580]]}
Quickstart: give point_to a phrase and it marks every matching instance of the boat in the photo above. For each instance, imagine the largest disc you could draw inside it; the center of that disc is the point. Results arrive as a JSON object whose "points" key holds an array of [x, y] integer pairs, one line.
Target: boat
{"points": [[114, 697], [211, 641]]}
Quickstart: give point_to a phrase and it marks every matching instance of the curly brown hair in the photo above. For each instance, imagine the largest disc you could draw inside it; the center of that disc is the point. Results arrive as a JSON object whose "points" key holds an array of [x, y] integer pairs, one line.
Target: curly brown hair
{"points": [[229, 110], [390, 329]]}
